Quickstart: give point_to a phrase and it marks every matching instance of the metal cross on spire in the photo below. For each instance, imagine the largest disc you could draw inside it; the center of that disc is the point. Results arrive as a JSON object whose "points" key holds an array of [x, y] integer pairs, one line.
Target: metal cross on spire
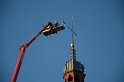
{"points": [[73, 44], [73, 33], [72, 29]]}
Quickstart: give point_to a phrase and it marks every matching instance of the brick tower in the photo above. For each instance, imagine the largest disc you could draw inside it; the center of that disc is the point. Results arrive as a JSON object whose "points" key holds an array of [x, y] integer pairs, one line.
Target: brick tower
{"points": [[73, 69]]}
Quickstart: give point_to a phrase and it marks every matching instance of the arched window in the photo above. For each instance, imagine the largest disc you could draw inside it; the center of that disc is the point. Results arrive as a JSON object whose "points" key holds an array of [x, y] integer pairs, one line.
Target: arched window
{"points": [[70, 78]]}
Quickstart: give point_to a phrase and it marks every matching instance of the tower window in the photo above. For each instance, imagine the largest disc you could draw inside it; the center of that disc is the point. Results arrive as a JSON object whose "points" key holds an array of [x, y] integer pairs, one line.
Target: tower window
{"points": [[70, 78]]}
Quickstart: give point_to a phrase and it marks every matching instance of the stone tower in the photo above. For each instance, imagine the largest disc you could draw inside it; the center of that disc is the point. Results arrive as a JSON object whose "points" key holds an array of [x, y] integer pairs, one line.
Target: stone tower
{"points": [[73, 69]]}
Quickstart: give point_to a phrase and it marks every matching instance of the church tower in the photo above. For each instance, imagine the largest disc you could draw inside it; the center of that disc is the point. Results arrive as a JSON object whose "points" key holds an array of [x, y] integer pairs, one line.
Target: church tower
{"points": [[73, 69]]}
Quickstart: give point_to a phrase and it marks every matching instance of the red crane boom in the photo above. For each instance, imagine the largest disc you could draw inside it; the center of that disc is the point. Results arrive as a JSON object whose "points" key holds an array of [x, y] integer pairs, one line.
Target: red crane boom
{"points": [[24, 46], [22, 51]]}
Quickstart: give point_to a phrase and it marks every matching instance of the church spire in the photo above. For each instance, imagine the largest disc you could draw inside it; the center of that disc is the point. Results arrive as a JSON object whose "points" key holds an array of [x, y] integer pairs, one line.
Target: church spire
{"points": [[73, 69], [73, 54]]}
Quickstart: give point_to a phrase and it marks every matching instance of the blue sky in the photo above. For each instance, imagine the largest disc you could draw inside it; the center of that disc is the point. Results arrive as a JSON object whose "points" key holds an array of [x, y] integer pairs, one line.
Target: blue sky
{"points": [[99, 25]]}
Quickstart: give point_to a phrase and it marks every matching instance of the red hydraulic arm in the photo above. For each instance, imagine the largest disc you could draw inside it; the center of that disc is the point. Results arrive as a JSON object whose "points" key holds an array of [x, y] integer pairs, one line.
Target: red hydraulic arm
{"points": [[22, 51]]}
